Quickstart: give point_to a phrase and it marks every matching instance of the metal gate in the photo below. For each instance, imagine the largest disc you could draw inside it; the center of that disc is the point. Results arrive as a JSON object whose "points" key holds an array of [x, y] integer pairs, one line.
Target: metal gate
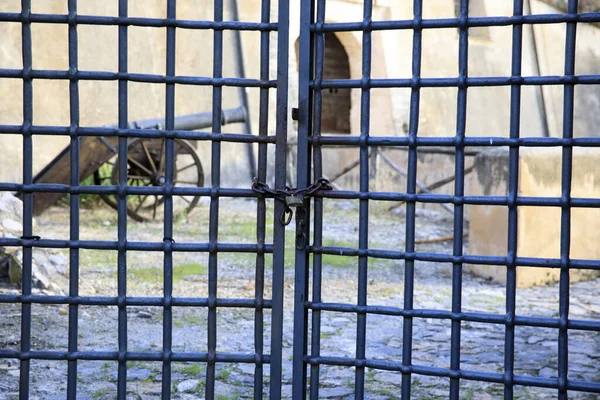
{"points": [[311, 145], [305, 204]]}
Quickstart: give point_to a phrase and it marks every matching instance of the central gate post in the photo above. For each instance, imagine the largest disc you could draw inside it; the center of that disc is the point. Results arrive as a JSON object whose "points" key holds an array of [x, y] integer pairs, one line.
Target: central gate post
{"points": [[280, 184], [305, 69]]}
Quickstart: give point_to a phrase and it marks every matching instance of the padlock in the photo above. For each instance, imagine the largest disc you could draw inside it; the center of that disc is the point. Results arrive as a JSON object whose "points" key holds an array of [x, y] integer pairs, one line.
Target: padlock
{"points": [[294, 201]]}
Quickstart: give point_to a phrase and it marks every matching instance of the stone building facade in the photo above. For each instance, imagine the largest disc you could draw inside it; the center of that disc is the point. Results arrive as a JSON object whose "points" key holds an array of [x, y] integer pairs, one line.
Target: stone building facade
{"points": [[489, 55]]}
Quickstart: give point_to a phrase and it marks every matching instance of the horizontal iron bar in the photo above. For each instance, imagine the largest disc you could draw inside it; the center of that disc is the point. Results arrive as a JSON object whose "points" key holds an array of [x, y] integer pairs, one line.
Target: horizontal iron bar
{"points": [[464, 316], [470, 22], [467, 259], [451, 141], [447, 373], [134, 356], [479, 81], [138, 21], [134, 77], [142, 133], [435, 198], [128, 190], [139, 246], [132, 301], [432, 198]]}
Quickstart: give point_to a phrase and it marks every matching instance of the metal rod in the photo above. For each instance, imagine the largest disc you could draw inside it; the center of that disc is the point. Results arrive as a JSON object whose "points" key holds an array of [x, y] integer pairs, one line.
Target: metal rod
{"points": [[539, 91], [317, 272], [281, 128], [565, 212], [240, 72], [459, 191], [411, 187], [363, 211], [261, 209], [436, 185], [26, 274], [192, 121], [420, 186], [513, 188], [347, 169], [73, 336], [303, 174], [213, 228], [122, 209], [170, 123]]}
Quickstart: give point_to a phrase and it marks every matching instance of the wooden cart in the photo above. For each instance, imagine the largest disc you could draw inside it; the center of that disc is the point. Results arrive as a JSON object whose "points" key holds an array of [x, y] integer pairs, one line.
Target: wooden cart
{"points": [[145, 166]]}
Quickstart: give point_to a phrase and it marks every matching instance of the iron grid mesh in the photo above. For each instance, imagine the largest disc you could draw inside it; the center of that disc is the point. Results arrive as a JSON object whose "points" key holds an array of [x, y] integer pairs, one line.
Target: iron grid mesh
{"points": [[312, 84], [122, 190], [310, 143]]}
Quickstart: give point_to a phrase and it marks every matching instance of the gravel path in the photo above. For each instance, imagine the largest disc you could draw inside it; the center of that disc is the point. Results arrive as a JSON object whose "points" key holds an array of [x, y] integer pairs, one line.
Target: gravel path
{"points": [[482, 345]]}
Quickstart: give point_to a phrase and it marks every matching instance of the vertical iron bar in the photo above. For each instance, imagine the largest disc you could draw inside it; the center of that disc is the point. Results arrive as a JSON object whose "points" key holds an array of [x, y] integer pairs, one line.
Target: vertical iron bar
{"points": [[26, 277], [305, 68], [315, 350], [411, 188], [261, 209], [74, 202], [122, 211], [513, 191], [240, 72], [363, 217], [459, 192], [263, 130], [539, 90], [213, 230], [565, 216], [280, 174], [168, 207]]}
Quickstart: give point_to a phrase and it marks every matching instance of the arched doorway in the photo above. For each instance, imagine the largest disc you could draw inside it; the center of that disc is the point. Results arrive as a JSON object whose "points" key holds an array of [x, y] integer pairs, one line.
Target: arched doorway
{"points": [[335, 116]]}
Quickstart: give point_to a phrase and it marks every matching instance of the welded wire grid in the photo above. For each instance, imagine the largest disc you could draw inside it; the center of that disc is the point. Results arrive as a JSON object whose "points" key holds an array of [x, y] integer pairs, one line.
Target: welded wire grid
{"points": [[166, 245], [311, 87]]}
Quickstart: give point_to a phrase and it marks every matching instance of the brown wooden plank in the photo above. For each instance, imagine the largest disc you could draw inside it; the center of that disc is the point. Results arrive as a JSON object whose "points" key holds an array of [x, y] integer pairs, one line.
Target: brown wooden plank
{"points": [[92, 154]]}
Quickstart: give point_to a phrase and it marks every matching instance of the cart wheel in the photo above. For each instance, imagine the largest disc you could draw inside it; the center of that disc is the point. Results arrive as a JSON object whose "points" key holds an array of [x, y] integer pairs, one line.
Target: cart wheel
{"points": [[146, 167], [103, 176]]}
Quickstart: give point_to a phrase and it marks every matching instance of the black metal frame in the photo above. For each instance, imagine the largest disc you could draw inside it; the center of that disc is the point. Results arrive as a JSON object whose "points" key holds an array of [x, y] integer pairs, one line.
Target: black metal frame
{"points": [[310, 142], [310, 165], [167, 246]]}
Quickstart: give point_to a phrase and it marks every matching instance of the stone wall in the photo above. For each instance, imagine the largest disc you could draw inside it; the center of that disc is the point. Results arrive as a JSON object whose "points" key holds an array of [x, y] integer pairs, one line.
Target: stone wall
{"points": [[98, 51], [539, 228], [488, 109]]}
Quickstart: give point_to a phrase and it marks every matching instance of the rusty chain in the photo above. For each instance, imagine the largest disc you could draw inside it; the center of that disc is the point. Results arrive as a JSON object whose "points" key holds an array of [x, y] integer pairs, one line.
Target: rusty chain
{"points": [[293, 198]]}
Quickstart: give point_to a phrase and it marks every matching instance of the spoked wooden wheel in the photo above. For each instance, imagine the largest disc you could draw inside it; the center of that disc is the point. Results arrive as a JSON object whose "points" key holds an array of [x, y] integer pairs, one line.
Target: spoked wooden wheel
{"points": [[146, 167]]}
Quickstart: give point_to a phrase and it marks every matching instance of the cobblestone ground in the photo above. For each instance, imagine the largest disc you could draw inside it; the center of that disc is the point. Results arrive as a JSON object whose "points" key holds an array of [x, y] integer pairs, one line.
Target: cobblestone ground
{"points": [[482, 345]]}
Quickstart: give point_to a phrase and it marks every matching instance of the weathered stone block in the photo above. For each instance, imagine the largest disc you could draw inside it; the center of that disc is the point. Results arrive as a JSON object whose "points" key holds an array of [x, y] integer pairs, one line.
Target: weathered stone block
{"points": [[49, 268], [539, 228]]}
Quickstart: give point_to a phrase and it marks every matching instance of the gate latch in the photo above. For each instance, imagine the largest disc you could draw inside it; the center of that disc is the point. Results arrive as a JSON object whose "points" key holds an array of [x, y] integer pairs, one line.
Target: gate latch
{"points": [[292, 198]]}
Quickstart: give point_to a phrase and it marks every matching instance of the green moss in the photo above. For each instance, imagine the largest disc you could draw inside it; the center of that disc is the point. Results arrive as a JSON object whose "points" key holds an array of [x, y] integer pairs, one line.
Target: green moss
{"points": [[339, 261], [224, 374], [468, 394], [98, 258], [155, 274], [199, 389], [192, 369], [98, 394], [189, 318], [370, 374], [234, 396]]}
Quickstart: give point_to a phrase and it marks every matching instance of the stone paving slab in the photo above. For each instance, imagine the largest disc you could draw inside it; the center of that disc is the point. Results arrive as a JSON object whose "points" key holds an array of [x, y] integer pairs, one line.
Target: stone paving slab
{"points": [[482, 344]]}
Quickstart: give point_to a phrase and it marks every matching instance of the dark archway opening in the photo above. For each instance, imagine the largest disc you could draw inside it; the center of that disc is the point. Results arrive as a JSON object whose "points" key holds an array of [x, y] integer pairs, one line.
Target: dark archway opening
{"points": [[335, 117]]}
